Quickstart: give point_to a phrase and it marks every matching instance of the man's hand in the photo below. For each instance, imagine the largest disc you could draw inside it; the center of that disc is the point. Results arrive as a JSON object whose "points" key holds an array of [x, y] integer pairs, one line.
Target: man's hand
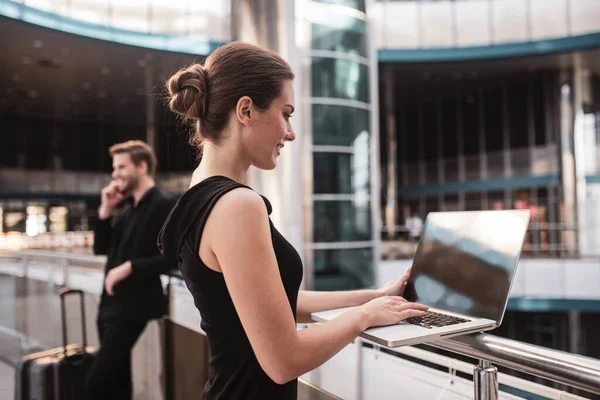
{"points": [[395, 288], [110, 197], [116, 275]]}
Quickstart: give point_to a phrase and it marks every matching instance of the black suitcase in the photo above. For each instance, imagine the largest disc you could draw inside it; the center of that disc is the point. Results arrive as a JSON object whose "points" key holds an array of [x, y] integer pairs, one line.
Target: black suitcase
{"points": [[60, 373]]}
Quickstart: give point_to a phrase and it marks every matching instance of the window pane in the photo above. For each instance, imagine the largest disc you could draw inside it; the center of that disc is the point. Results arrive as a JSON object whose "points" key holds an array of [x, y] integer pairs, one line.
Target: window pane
{"points": [[539, 111], [344, 34], [130, 15], [340, 79], [342, 221], [343, 269], [429, 131], [449, 123], [494, 124], [356, 4], [473, 201], [518, 114], [451, 202], [470, 121], [335, 173], [411, 133], [339, 125]]}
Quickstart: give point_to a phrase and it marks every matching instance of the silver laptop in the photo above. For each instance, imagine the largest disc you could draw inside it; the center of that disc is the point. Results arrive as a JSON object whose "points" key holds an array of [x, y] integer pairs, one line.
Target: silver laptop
{"points": [[463, 270]]}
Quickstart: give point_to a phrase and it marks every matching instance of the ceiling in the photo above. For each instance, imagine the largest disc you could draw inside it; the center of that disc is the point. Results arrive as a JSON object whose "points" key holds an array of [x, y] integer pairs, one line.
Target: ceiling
{"points": [[50, 74], [55, 75], [494, 68]]}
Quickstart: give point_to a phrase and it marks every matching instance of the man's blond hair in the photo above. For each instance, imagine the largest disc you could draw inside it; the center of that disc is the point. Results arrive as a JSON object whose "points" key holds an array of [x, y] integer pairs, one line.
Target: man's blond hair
{"points": [[138, 151]]}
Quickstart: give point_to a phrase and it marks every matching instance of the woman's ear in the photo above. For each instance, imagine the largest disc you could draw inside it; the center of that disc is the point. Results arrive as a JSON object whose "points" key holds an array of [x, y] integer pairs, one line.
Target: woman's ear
{"points": [[244, 110]]}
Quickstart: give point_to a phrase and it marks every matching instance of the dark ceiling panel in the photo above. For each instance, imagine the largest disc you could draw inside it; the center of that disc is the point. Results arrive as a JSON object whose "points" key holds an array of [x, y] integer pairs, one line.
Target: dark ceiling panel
{"points": [[55, 75]]}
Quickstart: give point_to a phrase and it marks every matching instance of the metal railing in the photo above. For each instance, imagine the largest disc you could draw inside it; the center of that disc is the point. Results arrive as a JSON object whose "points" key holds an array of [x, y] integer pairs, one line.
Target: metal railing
{"points": [[542, 240], [63, 260], [572, 370], [569, 369]]}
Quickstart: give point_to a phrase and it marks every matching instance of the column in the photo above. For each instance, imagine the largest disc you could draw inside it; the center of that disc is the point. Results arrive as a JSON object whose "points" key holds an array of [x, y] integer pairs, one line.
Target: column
{"points": [[272, 24], [586, 215], [568, 207], [149, 83], [391, 208], [343, 221]]}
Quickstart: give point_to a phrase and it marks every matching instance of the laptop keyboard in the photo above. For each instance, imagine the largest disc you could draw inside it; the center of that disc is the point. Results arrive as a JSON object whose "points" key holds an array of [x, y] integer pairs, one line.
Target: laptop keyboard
{"points": [[435, 320]]}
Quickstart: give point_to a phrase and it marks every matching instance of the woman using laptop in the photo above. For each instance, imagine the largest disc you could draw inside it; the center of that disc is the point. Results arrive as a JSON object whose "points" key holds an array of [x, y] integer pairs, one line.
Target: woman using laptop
{"points": [[243, 274]]}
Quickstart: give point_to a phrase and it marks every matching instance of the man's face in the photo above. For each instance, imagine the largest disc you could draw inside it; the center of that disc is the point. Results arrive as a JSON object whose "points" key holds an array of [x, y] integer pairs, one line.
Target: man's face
{"points": [[125, 173]]}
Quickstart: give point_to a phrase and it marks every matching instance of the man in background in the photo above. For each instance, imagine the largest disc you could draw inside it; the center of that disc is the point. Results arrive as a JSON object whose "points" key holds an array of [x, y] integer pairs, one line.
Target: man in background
{"points": [[130, 216], [414, 225]]}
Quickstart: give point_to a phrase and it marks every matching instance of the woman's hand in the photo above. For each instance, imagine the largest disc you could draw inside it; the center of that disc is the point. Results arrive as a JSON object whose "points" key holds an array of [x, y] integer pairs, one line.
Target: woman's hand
{"points": [[389, 310], [395, 288]]}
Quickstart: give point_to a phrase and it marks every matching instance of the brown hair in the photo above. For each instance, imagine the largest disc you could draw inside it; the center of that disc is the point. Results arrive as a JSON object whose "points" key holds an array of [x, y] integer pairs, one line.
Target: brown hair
{"points": [[207, 94], [138, 151]]}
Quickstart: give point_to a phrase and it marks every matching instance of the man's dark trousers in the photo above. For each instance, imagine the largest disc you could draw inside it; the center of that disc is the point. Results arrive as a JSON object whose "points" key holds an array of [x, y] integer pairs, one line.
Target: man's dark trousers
{"points": [[110, 376], [130, 235]]}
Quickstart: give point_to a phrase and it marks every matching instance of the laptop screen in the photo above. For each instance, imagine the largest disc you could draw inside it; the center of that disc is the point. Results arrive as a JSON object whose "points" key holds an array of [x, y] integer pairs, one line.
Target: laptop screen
{"points": [[465, 261]]}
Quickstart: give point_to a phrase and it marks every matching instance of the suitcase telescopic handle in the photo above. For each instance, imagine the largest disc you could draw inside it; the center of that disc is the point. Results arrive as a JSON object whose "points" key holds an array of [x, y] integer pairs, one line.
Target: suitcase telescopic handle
{"points": [[63, 293]]}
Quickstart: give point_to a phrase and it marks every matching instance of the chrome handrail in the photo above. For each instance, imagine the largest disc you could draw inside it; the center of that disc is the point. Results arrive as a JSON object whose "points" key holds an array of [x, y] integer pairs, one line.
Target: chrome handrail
{"points": [[569, 369], [54, 255]]}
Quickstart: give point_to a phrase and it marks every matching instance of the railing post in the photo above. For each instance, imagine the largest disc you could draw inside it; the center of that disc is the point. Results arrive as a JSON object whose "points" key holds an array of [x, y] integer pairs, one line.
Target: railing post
{"points": [[65, 271], [485, 381], [359, 368], [22, 305], [168, 352]]}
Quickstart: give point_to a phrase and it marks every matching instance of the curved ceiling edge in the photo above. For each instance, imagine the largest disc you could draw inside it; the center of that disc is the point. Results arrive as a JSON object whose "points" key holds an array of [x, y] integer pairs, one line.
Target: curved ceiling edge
{"points": [[174, 43], [506, 50]]}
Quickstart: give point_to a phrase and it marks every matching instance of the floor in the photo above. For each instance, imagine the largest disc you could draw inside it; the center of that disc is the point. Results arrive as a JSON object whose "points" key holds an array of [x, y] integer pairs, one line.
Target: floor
{"points": [[7, 382]]}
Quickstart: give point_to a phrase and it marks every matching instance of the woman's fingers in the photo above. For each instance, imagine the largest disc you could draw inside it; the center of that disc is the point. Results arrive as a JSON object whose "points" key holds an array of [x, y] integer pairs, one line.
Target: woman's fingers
{"points": [[413, 306], [411, 314]]}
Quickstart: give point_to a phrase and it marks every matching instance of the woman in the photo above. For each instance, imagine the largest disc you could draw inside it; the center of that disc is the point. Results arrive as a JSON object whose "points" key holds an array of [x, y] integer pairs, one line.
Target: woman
{"points": [[244, 276]]}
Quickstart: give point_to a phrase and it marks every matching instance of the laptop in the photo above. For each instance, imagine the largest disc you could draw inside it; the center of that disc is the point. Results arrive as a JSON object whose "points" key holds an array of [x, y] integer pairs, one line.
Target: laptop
{"points": [[463, 270]]}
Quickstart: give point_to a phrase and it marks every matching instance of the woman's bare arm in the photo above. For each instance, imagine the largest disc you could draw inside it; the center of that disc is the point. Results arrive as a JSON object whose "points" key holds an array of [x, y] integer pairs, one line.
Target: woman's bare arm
{"points": [[312, 301], [238, 235]]}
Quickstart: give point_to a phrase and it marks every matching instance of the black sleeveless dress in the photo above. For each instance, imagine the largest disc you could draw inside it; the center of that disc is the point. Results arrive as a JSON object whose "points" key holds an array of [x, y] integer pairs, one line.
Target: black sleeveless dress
{"points": [[234, 371]]}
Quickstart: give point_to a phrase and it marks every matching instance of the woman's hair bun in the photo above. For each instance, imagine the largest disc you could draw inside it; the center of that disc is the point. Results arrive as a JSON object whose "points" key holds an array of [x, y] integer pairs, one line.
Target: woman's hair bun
{"points": [[188, 91]]}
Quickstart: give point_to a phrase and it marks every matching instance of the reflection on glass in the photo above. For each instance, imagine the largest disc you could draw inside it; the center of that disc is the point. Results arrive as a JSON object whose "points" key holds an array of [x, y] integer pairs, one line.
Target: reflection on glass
{"points": [[341, 221], [338, 125], [360, 170], [341, 79], [132, 16], [184, 17], [343, 269], [591, 140], [344, 34], [356, 4], [465, 261], [342, 173], [332, 173]]}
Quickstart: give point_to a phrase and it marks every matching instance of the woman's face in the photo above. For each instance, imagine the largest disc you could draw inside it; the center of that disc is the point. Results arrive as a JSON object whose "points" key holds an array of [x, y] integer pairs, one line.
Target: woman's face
{"points": [[272, 129]]}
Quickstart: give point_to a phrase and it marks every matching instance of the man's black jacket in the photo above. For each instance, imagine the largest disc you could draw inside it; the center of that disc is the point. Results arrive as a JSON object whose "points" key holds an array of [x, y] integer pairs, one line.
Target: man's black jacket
{"points": [[131, 235]]}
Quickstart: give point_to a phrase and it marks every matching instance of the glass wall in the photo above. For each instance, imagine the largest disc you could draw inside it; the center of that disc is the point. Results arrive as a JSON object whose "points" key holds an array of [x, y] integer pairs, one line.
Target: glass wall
{"points": [[182, 17], [479, 141], [342, 234], [591, 130], [189, 26], [354, 4]]}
